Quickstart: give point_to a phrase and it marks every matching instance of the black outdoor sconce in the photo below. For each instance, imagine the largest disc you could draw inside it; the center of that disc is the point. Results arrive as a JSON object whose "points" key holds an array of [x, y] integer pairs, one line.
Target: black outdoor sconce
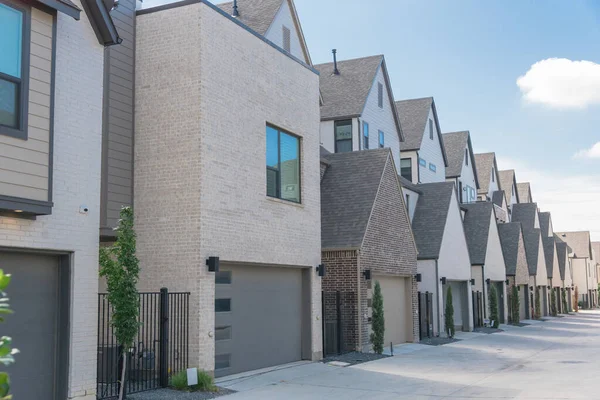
{"points": [[488, 281], [443, 280], [418, 277], [548, 287], [367, 274], [507, 282], [213, 264], [473, 281], [321, 270]]}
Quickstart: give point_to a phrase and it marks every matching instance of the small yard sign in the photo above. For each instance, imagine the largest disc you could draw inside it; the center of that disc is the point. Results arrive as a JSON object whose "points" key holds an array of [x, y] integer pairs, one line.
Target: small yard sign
{"points": [[192, 376]]}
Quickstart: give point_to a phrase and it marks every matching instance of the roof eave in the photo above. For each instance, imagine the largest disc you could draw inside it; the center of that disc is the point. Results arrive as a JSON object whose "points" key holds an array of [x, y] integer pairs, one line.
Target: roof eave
{"points": [[62, 7], [101, 22]]}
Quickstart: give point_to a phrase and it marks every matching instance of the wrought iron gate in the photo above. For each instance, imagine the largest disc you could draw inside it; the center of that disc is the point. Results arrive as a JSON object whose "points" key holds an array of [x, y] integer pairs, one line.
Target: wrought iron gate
{"points": [[160, 350], [425, 315], [340, 331], [477, 309]]}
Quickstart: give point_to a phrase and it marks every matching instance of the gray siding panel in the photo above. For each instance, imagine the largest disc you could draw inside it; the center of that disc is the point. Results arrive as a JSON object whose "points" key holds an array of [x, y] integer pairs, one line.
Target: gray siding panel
{"points": [[117, 149]]}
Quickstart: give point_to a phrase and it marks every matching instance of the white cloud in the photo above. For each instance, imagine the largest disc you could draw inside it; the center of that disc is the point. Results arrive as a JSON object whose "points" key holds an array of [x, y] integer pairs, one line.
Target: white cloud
{"points": [[572, 200], [592, 152], [562, 83]]}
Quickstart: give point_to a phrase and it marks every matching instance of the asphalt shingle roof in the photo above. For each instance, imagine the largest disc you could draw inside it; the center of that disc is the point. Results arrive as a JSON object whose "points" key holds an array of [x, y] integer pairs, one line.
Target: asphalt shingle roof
{"points": [[562, 254], [344, 95], [596, 248], [525, 214], [548, 241], [455, 144], [498, 197], [484, 162], [413, 115], [524, 191], [510, 234], [578, 241], [256, 14], [507, 179], [409, 185], [430, 217], [531, 237], [477, 228], [348, 192]]}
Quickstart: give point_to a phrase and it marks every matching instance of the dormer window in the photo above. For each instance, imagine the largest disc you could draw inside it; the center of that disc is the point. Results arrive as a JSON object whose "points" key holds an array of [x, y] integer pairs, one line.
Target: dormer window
{"points": [[430, 129], [286, 38]]}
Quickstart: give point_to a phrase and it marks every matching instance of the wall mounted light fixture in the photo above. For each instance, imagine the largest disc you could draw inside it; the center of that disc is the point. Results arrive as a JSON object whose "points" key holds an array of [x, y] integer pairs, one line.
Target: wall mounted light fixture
{"points": [[321, 270], [213, 264]]}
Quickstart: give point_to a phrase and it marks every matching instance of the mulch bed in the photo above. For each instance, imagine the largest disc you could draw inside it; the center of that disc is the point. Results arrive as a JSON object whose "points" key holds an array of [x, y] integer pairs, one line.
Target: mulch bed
{"points": [[170, 394], [355, 357]]}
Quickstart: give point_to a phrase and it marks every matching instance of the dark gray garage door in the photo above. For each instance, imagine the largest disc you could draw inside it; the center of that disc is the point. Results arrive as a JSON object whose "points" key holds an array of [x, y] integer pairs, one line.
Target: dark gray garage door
{"points": [[34, 298], [258, 318]]}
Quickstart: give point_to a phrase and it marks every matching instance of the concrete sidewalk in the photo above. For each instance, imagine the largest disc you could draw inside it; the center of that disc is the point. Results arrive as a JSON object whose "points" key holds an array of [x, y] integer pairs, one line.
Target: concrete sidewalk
{"points": [[555, 359]]}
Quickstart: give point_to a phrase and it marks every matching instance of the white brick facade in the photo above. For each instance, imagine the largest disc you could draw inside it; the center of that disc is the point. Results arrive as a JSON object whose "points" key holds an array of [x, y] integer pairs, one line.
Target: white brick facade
{"points": [[201, 111], [76, 181]]}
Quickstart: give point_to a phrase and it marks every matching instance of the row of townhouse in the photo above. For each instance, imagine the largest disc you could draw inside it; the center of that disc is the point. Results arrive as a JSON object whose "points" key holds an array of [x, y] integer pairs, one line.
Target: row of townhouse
{"points": [[307, 182]]}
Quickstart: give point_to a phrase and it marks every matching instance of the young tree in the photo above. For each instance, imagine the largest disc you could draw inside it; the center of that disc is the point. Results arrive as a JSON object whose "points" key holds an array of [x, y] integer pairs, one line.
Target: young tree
{"points": [[377, 320], [119, 265], [449, 317], [493, 295], [538, 312], [6, 352], [515, 304]]}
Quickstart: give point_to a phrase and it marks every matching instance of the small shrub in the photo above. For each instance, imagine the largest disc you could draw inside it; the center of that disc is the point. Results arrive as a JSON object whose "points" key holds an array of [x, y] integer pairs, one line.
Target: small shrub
{"points": [[206, 382], [449, 316], [564, 301], [377, 320], [494, 306]]}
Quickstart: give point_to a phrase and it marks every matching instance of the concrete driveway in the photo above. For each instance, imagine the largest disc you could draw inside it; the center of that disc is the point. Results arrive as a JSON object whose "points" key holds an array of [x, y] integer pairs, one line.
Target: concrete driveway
{"points": [[555, 359]]}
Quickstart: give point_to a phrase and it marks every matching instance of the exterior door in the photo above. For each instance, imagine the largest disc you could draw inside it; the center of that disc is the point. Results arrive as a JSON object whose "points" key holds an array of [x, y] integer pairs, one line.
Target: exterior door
{"points": [[396, 312], [258, 317]]}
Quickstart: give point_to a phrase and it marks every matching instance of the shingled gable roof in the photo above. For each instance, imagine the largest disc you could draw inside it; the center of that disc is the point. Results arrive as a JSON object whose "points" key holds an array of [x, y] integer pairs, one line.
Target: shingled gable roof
{"points": [[484, 163], [548, 241], [477, 228], [510, 236], [579, 242], [454, 146], [507, 181], [531, 238], [414, 115], [429, 221], [525, 214], [345, 94], [348, 191], [562, 252], [258, 15], [524, 191], [498, 198]]}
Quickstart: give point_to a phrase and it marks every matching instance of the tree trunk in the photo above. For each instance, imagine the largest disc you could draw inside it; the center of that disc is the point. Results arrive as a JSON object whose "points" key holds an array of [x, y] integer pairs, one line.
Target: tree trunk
{"points": [[122, 387]]}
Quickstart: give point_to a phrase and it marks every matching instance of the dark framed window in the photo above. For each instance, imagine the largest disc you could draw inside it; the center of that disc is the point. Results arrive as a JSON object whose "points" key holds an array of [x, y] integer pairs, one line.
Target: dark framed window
{"points": [[430, 129], [365, 136], [343, 136], [283, 165], [381, 139], [223, 277], [379, 95], [286, 38], [222, 305], [406, 168], [14, 67], [432, 167], [222, 361], [466, 157], [422, 162], [222, 333]]}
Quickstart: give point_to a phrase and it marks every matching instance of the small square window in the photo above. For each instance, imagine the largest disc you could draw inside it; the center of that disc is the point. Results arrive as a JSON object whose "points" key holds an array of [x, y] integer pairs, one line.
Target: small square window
{"points": [[432, 167], [222, 305], [223, 277], [381, 139], [222, 333], [222, 361], [422, 162]]}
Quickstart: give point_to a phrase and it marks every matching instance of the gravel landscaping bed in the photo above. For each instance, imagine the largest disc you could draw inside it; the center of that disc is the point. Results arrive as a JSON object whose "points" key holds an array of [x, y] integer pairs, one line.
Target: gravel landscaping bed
{"points": [[437, 341], [170, 394], [487, 330], [355, 357]]}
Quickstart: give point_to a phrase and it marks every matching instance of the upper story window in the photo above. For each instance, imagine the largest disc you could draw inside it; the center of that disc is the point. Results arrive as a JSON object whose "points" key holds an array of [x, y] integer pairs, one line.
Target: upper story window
{"points": [[286, 38], [422, 162], [432, 167], [466, 157], [430, 129], [13, 71], [406, 168], [283, 165], [379, 95], [365, 136], [343, 136], [381, 139]]}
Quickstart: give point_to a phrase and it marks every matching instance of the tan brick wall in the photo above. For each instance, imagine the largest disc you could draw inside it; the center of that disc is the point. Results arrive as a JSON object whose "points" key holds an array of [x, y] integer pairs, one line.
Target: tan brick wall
{"points": [[206, 88]]}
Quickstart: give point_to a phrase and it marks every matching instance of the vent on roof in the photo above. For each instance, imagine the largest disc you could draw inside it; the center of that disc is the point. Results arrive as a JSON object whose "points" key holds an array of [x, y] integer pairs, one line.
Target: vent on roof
{"points": [[335, 69], [235, 12], [286, 38]]}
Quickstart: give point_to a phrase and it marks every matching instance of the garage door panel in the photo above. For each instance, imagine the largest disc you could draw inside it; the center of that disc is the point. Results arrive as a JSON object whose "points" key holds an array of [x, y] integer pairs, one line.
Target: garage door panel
{"points": [[395, 308], [266, 312]]}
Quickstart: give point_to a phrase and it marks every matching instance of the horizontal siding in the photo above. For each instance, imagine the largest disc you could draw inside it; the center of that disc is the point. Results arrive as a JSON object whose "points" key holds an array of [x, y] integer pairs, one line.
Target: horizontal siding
{"points": [[24, 164], [117, 157]]}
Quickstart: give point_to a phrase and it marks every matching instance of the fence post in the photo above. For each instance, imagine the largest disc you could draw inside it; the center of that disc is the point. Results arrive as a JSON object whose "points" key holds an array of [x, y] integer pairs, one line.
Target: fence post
{"points": [[338, 304], [164, 337]]}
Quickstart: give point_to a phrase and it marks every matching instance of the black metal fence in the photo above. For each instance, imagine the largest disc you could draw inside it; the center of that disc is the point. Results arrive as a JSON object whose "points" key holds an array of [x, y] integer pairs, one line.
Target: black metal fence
{"points": [[160, 350], [340, 318], [477, 309], [425, 315]]}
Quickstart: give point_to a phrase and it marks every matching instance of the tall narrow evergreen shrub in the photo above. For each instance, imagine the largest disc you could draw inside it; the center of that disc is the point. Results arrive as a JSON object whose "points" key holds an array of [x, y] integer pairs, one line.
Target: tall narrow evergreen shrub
{"points": [[538, 312], [515, 305], [553, 302], [564, 301], [377, 320], [449, 315], [493, 297]]}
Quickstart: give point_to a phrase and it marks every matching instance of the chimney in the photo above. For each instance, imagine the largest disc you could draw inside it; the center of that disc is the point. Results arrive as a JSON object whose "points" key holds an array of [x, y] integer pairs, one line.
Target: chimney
{"points": [[335, 70], [235, 9]]}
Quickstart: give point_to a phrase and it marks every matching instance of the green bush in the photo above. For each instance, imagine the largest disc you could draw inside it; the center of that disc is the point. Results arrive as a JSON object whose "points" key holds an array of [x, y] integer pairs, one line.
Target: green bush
{"points": [[206, 382], [553, 302], [564, 301], [377, 320], [538, 312], [494, 306], [449, 317], [515, 305]]}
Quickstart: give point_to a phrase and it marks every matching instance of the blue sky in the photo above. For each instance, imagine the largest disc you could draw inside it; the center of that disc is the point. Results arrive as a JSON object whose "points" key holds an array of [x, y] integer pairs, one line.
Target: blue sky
{"points": [[468, 55]]}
